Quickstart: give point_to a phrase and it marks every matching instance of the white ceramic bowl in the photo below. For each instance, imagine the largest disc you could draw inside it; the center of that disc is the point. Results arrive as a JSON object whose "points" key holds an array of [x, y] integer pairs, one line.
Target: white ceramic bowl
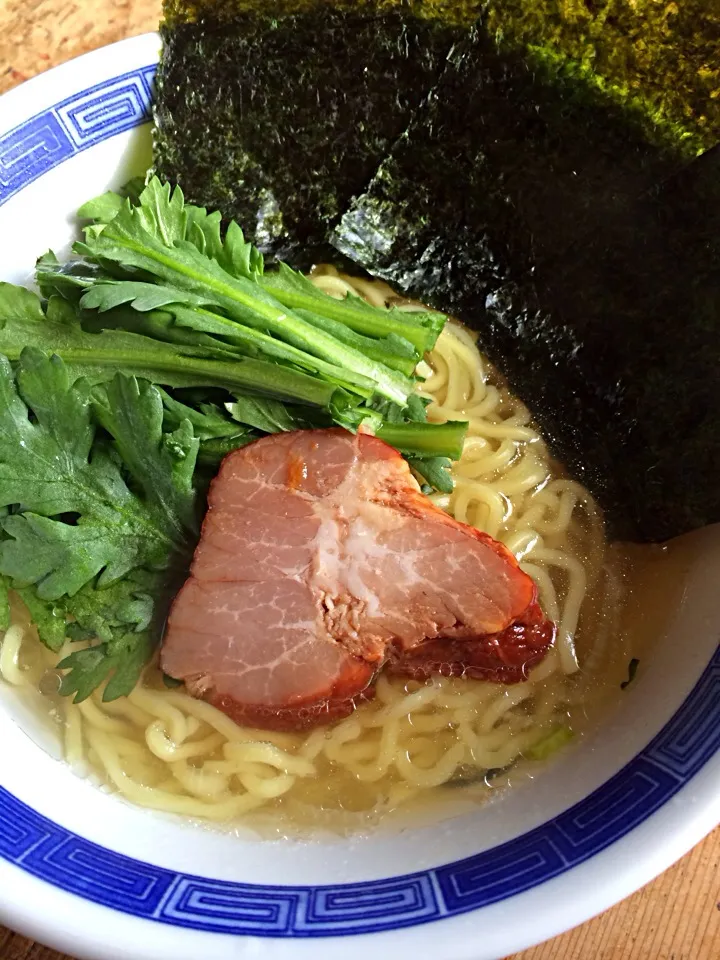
{"points": [[90, 875]]}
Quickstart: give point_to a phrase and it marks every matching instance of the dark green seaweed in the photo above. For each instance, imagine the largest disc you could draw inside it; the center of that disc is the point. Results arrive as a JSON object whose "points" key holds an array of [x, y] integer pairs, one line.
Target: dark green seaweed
{"points": [[278, 120], [523, 201], [642, 299], [450, 11], [507, 161], [616, 346], [659, 60]]}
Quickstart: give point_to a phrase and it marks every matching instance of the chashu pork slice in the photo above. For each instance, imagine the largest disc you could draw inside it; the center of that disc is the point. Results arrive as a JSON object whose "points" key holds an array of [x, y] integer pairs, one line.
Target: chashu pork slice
{"points": [[319, 562]]}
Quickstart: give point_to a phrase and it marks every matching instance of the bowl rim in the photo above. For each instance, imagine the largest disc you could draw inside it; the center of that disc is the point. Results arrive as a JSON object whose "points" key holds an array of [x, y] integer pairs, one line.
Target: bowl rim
{"points": [[94, 112]]}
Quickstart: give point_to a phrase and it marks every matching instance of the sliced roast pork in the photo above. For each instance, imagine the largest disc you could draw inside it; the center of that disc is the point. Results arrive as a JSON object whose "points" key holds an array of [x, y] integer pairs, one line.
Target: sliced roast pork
{"points": [[321, 562]]}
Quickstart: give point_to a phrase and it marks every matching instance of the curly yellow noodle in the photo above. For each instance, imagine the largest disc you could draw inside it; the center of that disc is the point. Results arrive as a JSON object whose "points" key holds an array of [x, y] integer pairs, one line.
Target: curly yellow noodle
{"points": [[163, 749]]}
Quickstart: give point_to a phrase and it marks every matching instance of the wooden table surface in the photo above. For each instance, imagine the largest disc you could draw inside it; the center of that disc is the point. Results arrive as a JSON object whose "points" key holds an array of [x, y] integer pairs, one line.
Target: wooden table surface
{"points": [[675, 918]]}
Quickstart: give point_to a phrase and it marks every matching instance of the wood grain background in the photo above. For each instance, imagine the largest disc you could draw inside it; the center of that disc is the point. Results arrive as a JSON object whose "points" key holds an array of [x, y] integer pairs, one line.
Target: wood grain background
{"points": [[675, 918]]}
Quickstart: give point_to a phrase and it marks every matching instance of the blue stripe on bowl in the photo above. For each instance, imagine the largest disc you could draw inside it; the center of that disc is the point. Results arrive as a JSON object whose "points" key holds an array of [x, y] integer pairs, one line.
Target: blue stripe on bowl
{"points": [[68, 861]]}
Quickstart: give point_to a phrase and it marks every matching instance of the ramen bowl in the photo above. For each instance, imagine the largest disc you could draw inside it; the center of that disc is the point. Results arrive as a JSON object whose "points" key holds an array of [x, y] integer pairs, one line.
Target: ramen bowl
{"points": [[87, 873]]}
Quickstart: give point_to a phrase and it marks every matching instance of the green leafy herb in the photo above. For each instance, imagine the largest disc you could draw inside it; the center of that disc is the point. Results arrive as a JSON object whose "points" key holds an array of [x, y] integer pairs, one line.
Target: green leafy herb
{"points": [[207, 420], [218, 435], [426, 439], [268, 416], [294, 290], [126, 617], [161, 464], [213, 451], [181, 248], [17, 303], [87, 549], [97, 357], [46, 466], [183, 283], [435, 471], [67, 280], [126, 605], [49, 618], [102, 209], [122, 661]]}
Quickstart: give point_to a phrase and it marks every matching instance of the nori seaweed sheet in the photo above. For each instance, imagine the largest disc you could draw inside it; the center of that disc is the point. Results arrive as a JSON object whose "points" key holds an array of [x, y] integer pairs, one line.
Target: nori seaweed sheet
{"points": [[660, 60], [535, 222], [628, 322], [448, 11], [278, 120], [503, 166]]}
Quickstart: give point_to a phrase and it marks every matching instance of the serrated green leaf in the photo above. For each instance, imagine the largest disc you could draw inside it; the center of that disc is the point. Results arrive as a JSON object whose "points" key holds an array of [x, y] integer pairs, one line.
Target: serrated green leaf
{"points": [[36, 469], [268, 416], [17, 303], [130, 656], [109, 294], [213, 451], [46, 467], [61, 409], [240, 258], [49, 618], [68, 280], [161, 210], [435, 471], [92, 578], [162, 464], [203, 230], [59, 310], [416, 410], [129, 604], [87, 669], [120, 662], [207, 420], [134, 188], [103, 208], [60, 558]]}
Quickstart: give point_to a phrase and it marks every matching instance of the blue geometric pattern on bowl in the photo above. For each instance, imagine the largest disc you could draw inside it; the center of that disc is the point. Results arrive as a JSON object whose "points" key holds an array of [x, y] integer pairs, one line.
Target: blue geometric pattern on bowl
{"points": [[67, 861], [81, 121]]}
